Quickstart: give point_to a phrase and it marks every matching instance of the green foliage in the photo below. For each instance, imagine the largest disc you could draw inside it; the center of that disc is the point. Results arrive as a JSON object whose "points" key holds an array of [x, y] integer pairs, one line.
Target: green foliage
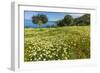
{"points": [[39, 19], [67, 21], [59, 43], [83, 20], [70, 21], [60, 23]]}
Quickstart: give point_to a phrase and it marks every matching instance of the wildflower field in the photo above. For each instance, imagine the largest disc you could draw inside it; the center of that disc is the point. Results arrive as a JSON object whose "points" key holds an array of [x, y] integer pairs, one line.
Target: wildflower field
{"points": [[60, 43]]}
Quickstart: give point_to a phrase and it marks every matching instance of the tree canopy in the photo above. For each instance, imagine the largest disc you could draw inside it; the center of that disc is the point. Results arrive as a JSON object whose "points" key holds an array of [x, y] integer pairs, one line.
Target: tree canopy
{"points": [[83, 20], [68, 20], [39, 19]]}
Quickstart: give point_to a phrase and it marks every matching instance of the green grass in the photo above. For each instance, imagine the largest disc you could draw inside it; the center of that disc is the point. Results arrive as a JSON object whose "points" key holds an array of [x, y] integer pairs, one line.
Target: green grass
{"points": [[61, 43]]}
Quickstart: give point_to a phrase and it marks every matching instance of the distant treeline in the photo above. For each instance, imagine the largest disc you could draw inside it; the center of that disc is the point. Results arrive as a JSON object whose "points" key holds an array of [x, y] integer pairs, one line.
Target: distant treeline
{"points": [[68, 20]]}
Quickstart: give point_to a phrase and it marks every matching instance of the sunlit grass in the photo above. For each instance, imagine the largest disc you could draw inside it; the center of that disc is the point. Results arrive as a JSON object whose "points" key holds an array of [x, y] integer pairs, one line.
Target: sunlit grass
{"points": [[61, 43]]}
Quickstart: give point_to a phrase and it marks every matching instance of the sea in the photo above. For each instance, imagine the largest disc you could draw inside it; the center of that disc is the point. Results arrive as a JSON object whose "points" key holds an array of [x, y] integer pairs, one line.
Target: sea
{"points": [[29, 24]]}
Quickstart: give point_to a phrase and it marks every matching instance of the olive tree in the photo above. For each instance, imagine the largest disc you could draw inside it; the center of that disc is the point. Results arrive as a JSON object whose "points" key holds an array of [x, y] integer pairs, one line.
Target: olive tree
{"points": [[39, 19]]}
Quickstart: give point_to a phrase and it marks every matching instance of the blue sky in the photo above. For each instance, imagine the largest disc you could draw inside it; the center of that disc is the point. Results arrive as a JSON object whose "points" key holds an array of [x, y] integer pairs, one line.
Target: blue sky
{"points": [[52, 16]]}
